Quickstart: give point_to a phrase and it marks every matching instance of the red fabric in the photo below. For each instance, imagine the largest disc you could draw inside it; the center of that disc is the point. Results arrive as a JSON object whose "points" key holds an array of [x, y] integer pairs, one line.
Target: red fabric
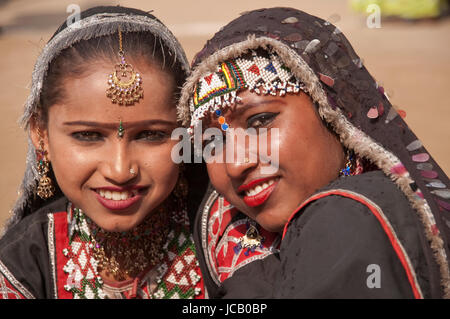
{"points": [[387, 229], [61, 241], [225, 261], [8, 291], [200, 284]]}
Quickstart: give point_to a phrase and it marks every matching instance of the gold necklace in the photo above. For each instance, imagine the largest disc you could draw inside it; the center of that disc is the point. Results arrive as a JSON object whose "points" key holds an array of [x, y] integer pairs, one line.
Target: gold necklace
{"points": [[126, 254]]}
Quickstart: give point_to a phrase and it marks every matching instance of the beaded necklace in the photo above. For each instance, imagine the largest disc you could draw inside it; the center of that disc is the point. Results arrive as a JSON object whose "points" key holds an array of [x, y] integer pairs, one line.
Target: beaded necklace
{"points": [[84, 280], [177, 270], [127, 254]]}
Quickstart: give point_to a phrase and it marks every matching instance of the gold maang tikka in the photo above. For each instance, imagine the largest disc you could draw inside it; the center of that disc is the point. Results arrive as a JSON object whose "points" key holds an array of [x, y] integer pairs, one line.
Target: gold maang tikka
{"points": [[125, 85]]}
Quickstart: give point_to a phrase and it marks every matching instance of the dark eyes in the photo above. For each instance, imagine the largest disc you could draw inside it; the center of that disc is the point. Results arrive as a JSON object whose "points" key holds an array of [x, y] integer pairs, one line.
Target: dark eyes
{"points": [[256, 121], [152, 136], [87, 136], [261, 119], [149, 135]]}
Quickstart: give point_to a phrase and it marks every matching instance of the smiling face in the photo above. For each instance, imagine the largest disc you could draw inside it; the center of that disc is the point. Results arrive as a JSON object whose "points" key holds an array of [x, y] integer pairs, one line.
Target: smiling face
{"points": [[309, 158], [92, 163]]}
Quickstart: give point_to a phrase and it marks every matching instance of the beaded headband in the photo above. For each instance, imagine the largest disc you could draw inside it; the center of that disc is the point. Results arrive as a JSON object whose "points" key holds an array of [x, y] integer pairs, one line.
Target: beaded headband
{"points": [[255, 72]]}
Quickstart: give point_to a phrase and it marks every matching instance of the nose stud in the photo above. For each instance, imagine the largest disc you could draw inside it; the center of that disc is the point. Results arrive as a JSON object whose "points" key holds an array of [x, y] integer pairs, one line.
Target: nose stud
{"points": [[132, 172]]}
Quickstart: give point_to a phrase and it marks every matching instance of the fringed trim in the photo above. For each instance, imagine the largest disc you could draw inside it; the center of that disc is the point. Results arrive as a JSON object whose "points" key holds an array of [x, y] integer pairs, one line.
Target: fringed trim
{"points": [[229, 99], [350, 136], [209, 65]]}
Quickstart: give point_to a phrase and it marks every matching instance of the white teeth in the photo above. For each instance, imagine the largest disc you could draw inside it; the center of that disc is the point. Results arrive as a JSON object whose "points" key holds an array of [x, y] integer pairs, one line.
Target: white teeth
{"points": [[115, 195], [259, 188]]}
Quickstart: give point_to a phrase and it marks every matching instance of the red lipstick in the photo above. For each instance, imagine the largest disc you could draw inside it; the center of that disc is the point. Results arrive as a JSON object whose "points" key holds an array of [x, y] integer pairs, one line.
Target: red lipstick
{"points": [[253, 183], [262, 196]]}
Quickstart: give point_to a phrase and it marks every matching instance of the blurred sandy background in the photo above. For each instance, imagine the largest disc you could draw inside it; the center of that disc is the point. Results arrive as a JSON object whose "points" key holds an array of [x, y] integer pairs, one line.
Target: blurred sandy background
{"points": [[411, 60]]}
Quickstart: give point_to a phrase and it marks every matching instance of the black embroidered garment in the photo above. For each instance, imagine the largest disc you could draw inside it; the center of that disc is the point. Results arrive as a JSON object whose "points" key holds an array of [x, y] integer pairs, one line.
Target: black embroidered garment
{"points": [[356, 108], [34, 263], [47, 250], [349, 240]]}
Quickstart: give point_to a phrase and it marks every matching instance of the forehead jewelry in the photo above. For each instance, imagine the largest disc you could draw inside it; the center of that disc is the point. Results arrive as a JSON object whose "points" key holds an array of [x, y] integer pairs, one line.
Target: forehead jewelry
{"points": [[125, 85], [120, 129], [259, 73], [223, 123]]}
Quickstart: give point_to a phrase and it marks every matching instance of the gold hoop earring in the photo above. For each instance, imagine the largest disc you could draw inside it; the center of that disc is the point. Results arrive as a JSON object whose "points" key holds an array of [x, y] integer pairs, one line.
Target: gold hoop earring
{"points": [[45, 188]]}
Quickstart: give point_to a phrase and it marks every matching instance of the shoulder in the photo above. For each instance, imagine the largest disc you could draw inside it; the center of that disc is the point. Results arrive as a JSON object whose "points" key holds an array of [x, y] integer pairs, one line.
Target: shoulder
{"points": [[374, 187], [336, 222], [35, 222], [366, 198], [24, 252], [355, 222]]}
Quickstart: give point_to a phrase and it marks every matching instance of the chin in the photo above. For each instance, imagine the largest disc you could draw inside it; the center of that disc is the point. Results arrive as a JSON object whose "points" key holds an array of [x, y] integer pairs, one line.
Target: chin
{"points": [[270, 223], [119, 223]]}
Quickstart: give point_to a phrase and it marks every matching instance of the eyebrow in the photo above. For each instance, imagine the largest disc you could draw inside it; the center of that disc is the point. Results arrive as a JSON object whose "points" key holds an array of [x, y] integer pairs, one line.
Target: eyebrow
{"points": [[241, 108], [114, 125]]}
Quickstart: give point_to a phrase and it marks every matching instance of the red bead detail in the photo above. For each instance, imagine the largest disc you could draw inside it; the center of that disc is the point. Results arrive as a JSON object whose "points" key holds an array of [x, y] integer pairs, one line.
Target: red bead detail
{"points": [[254, 68], [208, 78]]}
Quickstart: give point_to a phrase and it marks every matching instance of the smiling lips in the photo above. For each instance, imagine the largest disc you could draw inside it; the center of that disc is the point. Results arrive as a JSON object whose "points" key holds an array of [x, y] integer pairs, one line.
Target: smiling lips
{"points": [[258, 191], [118, 198]]}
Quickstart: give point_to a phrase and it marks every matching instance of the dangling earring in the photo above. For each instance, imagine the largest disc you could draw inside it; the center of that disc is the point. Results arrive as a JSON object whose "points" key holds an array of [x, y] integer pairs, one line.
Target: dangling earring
{"points": [[349, 165], [45, 187]]}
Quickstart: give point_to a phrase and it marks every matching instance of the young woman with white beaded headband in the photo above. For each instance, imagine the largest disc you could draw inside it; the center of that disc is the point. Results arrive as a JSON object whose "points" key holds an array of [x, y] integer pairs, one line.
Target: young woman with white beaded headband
{"points": [[355, 207], [102, 208]]}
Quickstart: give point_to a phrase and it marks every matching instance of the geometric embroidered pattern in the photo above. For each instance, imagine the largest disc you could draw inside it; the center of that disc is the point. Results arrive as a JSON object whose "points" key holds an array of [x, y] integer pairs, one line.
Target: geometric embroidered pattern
{"points": [[224, 231], [83, 279], [176, 276], [178, 273], [7, 291], [259, 74]]}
